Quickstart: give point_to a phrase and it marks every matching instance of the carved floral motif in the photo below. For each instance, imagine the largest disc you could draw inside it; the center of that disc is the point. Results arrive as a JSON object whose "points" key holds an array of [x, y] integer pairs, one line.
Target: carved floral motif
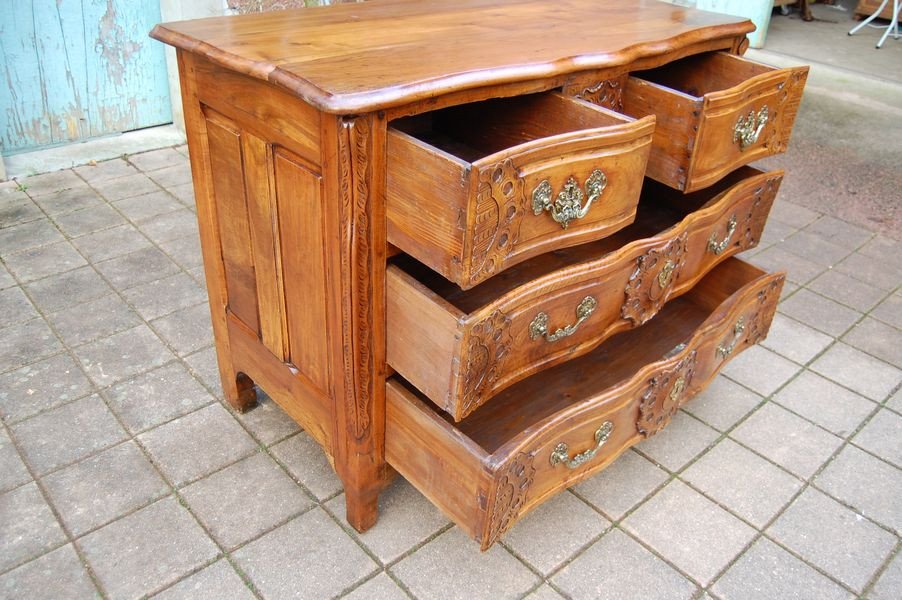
{"points": [[510, 494], [665, 393], [498, 213], [607, 93], [652, 282], [488, 345]]}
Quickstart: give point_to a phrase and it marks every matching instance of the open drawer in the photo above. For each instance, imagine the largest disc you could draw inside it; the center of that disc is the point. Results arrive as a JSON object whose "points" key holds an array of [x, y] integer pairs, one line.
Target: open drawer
{"points": [[556, 428], [715, 112], [461, 347], [474, 189]]}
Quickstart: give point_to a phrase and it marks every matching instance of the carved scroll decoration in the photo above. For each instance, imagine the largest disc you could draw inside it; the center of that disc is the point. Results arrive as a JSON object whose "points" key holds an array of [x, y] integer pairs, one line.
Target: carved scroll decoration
{"points": [[355, 272], [607, 93], [652, 283], [786, 110], [510, 495], [759, 322], [665, 393], [499, 210], [488, 344], [755, 219]]}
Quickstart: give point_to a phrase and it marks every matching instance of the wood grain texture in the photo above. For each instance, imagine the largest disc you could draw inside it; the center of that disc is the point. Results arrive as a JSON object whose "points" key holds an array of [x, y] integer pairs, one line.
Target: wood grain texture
{"points": [[370, 56], [460, 348], [662, 364]]}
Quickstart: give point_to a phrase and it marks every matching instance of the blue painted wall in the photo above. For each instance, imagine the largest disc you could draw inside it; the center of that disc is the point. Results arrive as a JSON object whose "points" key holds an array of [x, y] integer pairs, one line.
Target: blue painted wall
{"points": [[76, 69]]}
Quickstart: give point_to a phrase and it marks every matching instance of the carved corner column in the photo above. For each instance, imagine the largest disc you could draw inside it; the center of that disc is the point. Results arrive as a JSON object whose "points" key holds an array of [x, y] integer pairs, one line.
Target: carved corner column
{"points": [[354, 150]]}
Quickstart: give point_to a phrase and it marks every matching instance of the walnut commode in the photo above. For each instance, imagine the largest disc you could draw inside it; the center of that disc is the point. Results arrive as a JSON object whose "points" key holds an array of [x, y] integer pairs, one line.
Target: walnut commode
{"points": [[485, 244]]}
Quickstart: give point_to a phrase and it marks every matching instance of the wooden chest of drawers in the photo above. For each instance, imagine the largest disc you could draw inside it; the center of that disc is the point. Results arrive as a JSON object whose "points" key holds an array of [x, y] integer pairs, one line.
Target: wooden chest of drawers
{"points": [[485, 244]]}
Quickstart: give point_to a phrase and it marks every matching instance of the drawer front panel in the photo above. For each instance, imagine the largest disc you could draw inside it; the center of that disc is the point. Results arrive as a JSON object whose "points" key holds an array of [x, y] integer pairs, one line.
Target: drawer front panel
{"points": [[469, 218], [567, 313]]}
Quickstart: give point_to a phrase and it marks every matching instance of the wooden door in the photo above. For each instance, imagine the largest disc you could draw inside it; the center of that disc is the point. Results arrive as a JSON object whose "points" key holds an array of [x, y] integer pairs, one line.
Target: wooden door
{"points": [[76, 69]]}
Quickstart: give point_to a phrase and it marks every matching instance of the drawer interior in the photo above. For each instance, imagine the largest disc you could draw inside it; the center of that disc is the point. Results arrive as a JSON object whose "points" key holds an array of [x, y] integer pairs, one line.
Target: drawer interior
{"points": [[659, 209], [704, 73], [479, 129], [525, 405]]}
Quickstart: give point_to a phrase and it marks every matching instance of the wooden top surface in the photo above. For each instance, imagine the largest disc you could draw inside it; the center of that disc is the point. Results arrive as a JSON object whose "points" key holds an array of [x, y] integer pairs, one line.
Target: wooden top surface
{"points": [[351, 58]]}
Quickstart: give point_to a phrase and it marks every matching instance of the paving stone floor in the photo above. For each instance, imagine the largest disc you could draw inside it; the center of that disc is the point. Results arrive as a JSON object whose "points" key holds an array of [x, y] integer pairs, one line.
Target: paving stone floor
{"points": [[123, 475]]}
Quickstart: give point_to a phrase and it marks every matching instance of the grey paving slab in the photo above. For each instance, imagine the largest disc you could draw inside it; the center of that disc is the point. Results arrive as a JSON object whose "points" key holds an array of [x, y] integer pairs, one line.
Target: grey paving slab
{"points": [[406, 518], [890, 582], [544, 592], [882, 436], [723, 403], [332, 561], [93, 320], [219, 581], [434, 571], [139, 208], [13, 471], [101, 488], [185, 251], [26, 343], [789, 440], [865, 483], [165, 296], [68, 289], [137, 268], [833, 538], [681, 441], [793, 214], [619, 568], [39, 386], [245, 499], [766, 572], [156, 397], [882, 274], [147, 550], [66, 201], [118, 357], [15, 307], [847, 290], [203, 363], [110, 243], [878, 339], [267, 421], [186, 330], [105, 170], [68, 433], [307, 463], [840, 232], [27, 526], [831, 406], [6, 280], [58, 574], [761, 370], [692, 532], [895, 402], [46, 183], [743, 482], [170, 226], [819, 312], [88, 220], [799, 270], [17, 210], [178, 173], [380, 587], [881, 247], [44, 261], [129, 186], [184, 192], [27, 236], [197, 444], [573, 524], [815, 248], [890, 311], [622, 485], [157, 159], [858, 371], [776, 231]]}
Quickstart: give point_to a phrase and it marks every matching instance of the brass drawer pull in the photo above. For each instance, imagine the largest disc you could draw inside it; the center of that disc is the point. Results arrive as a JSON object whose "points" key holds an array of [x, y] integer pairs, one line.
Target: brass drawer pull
{"points": [[561, 452], [725, 350], [569, 202], [539, 326], [747, 130], [716, 248]]}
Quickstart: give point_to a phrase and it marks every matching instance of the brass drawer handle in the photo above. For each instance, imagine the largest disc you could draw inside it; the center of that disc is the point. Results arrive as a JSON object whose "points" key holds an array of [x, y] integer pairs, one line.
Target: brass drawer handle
{"points": [[561, 452], [716, 248], [747, 130], [726, 349], [569, 202], [539, 326]]}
